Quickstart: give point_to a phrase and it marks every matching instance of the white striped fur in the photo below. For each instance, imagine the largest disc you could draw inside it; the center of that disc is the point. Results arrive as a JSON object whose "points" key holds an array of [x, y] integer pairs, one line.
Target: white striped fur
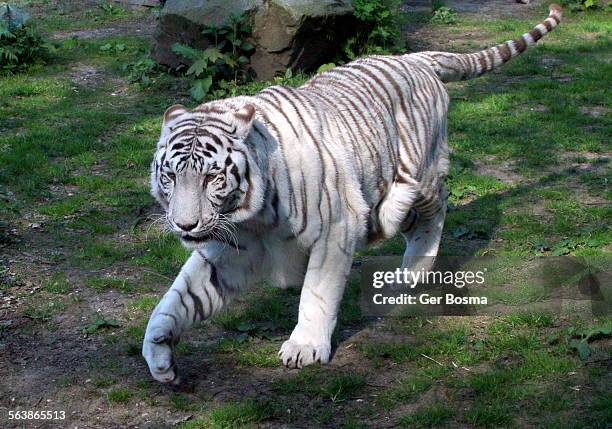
{"points": [[284, 186]]}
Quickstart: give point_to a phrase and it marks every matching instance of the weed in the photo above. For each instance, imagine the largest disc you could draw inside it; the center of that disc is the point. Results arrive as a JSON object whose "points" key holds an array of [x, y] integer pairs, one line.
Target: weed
{"points": [[224, 60], [444, 15], [118, 396], [583, 5], [143, 71], [112, 10], [57, 284], [45, 310], [581, 343], [380, 32], [98, 324], [113, 47], [21, 45]]}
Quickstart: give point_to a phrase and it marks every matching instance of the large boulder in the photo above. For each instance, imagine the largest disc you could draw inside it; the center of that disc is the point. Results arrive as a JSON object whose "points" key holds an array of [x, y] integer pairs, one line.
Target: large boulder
{"points": [[12, 18], [296, 34]]}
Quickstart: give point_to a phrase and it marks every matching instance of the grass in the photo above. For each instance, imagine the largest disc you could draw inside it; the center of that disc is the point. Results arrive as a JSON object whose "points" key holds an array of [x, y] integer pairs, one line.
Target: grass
{"points": [[120, 396], [530, 176], [249, 354], [232, 415], [315, 382], [102, 283], [428, 416]]}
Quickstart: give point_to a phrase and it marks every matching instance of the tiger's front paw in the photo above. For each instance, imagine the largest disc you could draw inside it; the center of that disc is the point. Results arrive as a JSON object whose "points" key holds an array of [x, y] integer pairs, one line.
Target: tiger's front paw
{"points": [[157, 351], [297, 355]]}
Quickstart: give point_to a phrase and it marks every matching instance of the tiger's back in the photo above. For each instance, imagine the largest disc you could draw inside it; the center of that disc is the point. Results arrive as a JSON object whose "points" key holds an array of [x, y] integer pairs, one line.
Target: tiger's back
{"points": [[368, 137]]}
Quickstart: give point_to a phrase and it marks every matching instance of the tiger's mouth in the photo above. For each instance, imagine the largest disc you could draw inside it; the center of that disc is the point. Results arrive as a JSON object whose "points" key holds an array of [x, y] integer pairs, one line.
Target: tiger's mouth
{"points": [[195, 239]]}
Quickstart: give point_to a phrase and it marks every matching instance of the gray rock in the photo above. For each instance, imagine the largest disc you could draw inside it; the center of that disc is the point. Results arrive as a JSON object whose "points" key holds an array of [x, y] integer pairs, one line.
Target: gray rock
{"points": [[297, 34], [13, 17], [183, 21]]}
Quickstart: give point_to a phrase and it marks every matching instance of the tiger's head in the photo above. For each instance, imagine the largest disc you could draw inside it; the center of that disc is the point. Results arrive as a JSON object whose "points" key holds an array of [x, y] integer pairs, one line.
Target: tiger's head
{"points": [[203, 173]]}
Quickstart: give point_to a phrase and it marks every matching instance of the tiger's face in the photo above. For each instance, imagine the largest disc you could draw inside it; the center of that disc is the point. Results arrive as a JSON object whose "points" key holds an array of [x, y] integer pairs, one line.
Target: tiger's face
{"points": [[202, 173]]}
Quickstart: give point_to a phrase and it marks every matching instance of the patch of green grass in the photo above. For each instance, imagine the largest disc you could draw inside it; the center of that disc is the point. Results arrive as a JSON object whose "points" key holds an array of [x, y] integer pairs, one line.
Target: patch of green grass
{"points": [[103, 382], [264, 310], [353, 423], [64, 18], [144, 304], [447, 344], [180, 402], [406, 390], [119, 395], [231, 415], [57, 284], [397, 351], [316, 382], [344, 386], [65, 207], [549, 402], [44, 310], [102, 253], [497, 413], [428, 416], [105, 283], [250, 353], [531, 320], [601, 407], [165, 255]]}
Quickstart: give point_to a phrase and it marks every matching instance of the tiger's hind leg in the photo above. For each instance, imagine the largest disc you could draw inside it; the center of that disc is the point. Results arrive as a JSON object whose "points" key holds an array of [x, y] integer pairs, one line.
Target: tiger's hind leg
{"points": [[422, 230]]}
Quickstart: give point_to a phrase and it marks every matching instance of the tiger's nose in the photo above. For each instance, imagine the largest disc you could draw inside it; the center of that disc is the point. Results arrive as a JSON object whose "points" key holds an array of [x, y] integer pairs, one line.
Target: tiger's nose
{"points": [[189, 227]]}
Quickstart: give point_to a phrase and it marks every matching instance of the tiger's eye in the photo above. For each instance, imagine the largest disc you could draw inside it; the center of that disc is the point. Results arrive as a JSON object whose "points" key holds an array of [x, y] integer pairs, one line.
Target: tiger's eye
{"points": [[206, 180], [172, 176]]}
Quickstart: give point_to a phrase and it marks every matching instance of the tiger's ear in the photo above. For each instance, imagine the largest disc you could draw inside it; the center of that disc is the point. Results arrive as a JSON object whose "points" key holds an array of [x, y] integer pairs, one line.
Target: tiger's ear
{"points": [[172, 113], [244, 120]]}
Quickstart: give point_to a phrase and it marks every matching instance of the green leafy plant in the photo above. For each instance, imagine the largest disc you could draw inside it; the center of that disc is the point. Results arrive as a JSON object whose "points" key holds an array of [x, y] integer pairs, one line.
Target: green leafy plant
{"points": [[98, 324], [582, 5], [580, 342], [444, 15], [112, 10], [324, 67], [381, 22], [113, 47], [224, 64], [20, 44], [142, 71]]}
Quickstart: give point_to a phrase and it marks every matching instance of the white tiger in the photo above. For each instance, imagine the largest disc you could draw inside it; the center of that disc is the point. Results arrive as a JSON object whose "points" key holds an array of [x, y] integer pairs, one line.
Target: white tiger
{"points": [[284, 186]]}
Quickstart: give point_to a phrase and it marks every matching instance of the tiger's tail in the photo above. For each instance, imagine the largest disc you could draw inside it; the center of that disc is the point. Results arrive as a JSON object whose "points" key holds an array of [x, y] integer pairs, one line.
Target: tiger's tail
{"points": [[454, 67]]}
